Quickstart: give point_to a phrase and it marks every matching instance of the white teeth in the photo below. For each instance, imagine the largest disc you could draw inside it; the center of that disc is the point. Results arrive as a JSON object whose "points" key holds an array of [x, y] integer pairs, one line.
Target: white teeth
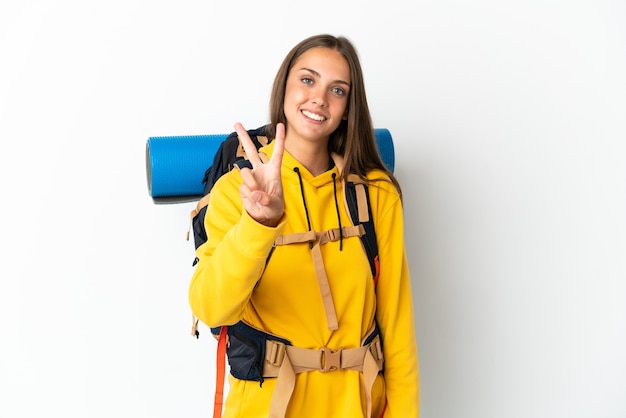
{"points": [[313, 116]]}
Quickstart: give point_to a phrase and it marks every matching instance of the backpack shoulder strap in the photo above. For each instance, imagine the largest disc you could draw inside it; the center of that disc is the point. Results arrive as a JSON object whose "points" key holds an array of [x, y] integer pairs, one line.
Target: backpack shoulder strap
{"points": [[359, 208], [358, 201]]}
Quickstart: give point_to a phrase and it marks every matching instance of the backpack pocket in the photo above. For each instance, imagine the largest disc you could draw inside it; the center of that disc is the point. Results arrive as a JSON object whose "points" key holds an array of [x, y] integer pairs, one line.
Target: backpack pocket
{"points": [[246, 351]]}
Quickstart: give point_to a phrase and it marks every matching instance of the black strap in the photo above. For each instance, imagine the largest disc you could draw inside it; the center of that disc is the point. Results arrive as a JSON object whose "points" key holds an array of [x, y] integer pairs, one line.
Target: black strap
{"points": [[369, 239]]}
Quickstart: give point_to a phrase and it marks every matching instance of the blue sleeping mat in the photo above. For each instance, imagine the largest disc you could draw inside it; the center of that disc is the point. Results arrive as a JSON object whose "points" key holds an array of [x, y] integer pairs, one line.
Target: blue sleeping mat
{"points": [[175, 165]]}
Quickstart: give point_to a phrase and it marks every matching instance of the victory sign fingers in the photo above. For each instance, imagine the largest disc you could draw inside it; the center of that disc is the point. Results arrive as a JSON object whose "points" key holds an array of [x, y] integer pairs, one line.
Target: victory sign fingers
{"points": [[261, 190]]}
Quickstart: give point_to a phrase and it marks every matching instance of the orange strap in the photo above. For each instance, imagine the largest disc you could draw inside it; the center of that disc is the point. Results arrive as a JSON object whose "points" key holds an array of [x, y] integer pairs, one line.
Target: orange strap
{"points": [[220, 374]]}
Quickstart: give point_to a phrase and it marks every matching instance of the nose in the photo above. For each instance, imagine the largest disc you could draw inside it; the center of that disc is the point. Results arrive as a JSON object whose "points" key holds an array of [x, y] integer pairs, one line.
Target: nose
{"points": [[319, 96]]}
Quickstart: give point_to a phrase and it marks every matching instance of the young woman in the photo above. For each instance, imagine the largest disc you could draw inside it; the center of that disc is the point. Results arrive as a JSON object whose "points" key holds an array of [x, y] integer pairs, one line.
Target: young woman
{"points": [[313, 333]]}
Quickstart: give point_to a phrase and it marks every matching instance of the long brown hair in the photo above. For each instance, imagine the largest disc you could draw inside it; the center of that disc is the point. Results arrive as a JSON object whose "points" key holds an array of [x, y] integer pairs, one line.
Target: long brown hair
{"points": [[354, 139]]}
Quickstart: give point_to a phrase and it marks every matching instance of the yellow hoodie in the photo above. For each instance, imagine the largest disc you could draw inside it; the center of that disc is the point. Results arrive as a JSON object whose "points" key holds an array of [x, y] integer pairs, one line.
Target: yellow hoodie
{"points": [[232, 282]]}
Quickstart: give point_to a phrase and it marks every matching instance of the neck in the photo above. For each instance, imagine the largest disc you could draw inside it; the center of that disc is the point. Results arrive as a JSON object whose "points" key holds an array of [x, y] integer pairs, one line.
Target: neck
{"points": [[313, 156]]}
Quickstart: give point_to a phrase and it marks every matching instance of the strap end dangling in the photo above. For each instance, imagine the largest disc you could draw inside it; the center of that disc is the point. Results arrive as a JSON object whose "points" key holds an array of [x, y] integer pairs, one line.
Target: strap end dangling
{"points": [[194, 327]]}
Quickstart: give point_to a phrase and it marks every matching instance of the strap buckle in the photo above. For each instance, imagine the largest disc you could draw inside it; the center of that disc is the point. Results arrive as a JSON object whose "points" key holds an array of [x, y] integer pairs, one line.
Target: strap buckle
{"points": [[376, 349], [333, 234], [331, 360], [276, 354]]}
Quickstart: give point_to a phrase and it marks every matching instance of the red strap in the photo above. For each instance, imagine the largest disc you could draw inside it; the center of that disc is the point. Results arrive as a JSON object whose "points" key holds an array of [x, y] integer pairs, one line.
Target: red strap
{"points": [[220, 373], [382, 413], [377, 264]]}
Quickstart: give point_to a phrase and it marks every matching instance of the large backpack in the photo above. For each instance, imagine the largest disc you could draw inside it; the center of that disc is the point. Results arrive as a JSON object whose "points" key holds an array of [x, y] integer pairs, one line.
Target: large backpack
{"points": [[229, 154]]}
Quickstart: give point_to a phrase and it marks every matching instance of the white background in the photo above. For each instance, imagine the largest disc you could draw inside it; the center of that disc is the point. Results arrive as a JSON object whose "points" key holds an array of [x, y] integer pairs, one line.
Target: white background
{"points": [[509, 125]]}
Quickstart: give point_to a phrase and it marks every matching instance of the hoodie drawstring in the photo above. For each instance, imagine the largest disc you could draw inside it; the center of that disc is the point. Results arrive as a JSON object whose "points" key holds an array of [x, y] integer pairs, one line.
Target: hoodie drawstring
{"points": [[306, 208]]}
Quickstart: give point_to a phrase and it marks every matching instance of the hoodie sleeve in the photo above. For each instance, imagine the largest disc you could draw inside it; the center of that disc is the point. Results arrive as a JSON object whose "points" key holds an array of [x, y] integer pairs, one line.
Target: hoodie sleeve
{"points": [[233, 258], [395, 312]]}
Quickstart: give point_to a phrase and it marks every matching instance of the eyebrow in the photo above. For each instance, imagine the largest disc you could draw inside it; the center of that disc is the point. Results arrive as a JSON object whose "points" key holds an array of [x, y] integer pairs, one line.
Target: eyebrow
{"points": [[319, 75]]}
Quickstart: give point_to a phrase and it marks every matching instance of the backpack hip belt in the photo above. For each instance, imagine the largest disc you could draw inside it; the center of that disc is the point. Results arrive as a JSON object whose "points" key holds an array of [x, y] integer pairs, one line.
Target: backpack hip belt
{"points": [[285, 361]]}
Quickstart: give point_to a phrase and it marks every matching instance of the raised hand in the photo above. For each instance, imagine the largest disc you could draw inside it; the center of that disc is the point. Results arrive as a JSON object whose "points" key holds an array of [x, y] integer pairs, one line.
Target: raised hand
{"points": [[262, 189]]}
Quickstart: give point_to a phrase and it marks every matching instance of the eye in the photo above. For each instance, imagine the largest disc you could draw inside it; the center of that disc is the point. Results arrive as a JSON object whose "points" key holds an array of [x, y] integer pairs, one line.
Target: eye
{"points": [[306, 80], [338, 91]]}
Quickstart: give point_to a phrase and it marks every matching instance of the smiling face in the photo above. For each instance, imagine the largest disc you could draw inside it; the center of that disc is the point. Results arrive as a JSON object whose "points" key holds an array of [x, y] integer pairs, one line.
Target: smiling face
{"points": [[316, 95]]}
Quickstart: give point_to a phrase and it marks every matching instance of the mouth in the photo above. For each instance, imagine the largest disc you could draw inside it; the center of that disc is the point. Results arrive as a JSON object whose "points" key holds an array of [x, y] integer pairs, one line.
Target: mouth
{"points": [[313, 116]]}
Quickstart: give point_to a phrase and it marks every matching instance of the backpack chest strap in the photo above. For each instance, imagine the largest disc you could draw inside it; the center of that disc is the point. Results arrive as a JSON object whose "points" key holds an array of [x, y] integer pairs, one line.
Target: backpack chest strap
{"points": [[317, 239], [322, 237]]}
